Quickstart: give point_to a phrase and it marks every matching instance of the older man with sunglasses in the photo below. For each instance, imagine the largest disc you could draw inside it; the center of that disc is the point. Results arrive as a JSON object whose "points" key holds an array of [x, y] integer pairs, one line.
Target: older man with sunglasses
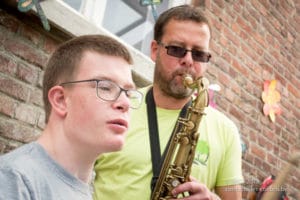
{"points": [[181, 46]]}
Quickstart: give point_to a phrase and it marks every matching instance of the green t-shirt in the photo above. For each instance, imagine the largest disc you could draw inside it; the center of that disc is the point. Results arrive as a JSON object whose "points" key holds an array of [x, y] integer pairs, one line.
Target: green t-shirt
{"points": [[127, 174]]}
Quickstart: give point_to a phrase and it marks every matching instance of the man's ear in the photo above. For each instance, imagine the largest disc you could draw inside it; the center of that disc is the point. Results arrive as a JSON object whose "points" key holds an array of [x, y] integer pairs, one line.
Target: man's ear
{"points": [[56, 96], [154, 50]]}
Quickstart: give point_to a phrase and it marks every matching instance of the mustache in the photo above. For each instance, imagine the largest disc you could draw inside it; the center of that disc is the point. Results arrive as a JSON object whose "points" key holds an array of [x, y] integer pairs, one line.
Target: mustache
{"points": [[182, 72]]}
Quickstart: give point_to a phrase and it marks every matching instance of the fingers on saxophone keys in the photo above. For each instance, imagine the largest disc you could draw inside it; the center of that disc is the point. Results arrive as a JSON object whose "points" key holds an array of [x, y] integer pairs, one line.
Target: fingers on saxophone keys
{"points": [[193, 189]]}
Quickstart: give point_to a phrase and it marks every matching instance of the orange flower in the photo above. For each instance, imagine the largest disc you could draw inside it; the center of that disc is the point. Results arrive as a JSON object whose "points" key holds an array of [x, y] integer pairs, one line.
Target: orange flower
{"points": [[271, 98]]}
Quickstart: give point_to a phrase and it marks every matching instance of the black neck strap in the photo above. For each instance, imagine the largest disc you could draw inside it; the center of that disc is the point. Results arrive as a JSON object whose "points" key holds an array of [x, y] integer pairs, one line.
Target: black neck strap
{"points": [[156, 157]]}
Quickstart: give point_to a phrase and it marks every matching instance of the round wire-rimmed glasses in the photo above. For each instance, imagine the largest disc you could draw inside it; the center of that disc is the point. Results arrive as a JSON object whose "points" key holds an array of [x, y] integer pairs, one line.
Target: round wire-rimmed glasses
{"points": [[110, 91]]}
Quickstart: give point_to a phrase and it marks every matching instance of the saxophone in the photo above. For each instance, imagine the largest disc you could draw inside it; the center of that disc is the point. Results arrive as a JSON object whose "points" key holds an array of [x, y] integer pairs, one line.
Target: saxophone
{"points": [[179, 157]]}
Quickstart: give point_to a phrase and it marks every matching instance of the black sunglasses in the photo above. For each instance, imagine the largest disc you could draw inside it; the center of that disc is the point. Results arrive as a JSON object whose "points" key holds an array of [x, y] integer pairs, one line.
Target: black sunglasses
{"points": [[180, 52]]}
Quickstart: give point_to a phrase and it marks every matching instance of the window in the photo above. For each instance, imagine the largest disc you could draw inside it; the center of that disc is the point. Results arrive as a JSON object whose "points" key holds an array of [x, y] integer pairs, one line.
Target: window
{"points": [[130, 20]]}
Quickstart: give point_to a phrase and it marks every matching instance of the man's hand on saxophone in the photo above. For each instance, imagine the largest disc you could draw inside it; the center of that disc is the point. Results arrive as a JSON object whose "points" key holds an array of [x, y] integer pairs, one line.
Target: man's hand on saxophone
{"points": [[197, 191]]}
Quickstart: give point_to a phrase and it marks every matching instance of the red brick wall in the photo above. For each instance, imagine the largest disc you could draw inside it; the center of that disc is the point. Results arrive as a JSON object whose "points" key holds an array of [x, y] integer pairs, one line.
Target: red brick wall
{"points": [[24, 50], [253, 41]]}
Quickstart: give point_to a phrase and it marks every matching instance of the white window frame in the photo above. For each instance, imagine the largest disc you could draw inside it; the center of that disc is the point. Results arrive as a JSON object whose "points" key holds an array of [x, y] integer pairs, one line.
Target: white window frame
{"points": [[68, 20]]}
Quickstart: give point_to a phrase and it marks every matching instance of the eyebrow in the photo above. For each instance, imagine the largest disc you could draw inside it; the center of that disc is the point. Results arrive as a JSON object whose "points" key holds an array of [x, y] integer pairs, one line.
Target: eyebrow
{"points": [[126, 86], [183, 44]]}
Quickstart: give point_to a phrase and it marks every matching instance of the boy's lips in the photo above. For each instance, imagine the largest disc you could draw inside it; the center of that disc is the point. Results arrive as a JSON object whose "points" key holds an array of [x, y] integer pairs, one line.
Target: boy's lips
{"points": [[119, 122]]}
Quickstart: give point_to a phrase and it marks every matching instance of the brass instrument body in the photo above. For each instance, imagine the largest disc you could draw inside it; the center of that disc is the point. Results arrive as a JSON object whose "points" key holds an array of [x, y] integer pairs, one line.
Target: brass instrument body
{"points": [[176, 167]]}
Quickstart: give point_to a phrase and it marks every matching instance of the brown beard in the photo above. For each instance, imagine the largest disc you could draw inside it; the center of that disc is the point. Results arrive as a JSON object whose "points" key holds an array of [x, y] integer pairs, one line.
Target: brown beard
{"points": [[170, 86]]}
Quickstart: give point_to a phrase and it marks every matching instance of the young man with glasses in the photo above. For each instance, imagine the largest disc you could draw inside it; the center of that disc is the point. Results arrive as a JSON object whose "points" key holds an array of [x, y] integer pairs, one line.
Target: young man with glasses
{"points": [[181, 46], [88, 92]]}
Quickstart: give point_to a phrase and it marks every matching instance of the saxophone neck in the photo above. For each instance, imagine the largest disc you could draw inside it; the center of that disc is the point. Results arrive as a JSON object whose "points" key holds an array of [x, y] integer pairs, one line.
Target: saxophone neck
{"points": [[199, 84], [201, 99], [204, 83]]}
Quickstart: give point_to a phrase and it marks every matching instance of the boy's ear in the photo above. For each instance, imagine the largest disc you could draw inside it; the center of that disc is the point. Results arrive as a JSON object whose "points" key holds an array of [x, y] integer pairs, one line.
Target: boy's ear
{"points": [[56, 96]]}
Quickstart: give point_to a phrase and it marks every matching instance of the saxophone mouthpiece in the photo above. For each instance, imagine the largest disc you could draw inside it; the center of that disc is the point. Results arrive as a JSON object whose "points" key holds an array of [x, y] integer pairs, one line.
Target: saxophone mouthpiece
{"points": [[188, 80]]}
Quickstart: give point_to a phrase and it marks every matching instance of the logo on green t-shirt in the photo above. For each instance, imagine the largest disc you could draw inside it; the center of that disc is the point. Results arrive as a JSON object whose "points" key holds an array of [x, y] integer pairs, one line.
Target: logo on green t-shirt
{"points": [[202, 153]]}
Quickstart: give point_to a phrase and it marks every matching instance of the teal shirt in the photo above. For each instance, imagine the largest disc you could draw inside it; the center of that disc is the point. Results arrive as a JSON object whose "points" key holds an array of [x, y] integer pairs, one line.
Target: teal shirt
{"points": [[127, 174]]}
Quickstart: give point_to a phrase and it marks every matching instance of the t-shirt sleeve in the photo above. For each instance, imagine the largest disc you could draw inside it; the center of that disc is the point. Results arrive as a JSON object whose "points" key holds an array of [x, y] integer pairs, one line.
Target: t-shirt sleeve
{"points": [[13, 185], [230, 171]]}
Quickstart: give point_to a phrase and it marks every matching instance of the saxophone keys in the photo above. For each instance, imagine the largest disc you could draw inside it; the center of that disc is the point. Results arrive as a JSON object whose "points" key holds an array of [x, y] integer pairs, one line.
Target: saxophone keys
{"points": [[175, 183]]}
